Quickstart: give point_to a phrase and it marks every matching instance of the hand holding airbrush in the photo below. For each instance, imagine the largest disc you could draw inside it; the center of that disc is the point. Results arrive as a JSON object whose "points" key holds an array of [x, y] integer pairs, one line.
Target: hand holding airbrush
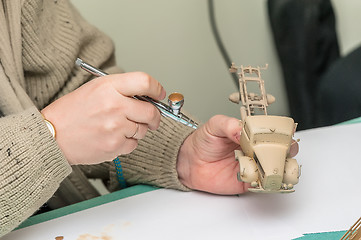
{"points": [[175, 100]]}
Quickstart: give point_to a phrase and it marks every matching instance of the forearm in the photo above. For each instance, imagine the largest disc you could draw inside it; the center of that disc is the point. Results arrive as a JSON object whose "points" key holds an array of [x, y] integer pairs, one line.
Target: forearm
{"points": [[31, 167]]}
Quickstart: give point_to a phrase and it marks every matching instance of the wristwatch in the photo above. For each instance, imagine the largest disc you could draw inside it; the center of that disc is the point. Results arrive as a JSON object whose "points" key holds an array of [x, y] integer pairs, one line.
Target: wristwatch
{"points": [[50, 126]]}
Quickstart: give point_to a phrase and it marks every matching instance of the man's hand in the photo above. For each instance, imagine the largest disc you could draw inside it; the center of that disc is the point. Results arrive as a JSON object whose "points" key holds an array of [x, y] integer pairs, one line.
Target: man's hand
{"points": [[206, 160], [100, 120]]}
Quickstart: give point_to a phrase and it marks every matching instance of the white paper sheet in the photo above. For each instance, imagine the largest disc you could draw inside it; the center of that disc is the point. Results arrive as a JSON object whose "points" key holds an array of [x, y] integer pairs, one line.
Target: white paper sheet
{"points": [[327, 198]]}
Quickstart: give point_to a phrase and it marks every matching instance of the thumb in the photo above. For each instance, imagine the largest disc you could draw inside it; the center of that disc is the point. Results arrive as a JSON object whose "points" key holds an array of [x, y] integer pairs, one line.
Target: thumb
{"points": [[226, 127]]}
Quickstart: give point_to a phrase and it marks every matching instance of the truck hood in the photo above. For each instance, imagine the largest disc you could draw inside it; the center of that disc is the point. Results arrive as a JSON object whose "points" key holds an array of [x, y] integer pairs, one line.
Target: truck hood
{"points": [[271, 158]]}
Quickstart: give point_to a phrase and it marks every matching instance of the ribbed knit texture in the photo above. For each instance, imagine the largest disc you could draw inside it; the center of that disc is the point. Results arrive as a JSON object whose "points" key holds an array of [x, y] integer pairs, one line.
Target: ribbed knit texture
{"points": [[31, 167], [38, 48], [154, 160], [54, 35]]}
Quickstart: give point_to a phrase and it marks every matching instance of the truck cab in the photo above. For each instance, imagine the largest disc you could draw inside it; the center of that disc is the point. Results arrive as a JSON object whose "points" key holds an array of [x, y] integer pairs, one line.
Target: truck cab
{"points": [[266, 142]]}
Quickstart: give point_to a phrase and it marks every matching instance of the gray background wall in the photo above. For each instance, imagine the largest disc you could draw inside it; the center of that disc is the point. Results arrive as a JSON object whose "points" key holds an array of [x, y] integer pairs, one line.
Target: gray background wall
{"points": [[172, 41]]}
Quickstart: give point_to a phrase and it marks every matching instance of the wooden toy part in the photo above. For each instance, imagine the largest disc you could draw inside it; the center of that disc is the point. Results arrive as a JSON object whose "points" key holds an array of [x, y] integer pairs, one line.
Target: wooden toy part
{"points": [[354, 233]]}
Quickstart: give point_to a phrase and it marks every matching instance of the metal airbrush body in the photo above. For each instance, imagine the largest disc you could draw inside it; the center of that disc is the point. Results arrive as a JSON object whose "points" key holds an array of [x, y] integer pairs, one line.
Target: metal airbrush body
{"points": [[175, 100]]}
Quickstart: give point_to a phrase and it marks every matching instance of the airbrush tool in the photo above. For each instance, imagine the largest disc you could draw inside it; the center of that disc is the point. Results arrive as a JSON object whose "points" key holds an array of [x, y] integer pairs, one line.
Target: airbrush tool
{"points": [[175, 101]]}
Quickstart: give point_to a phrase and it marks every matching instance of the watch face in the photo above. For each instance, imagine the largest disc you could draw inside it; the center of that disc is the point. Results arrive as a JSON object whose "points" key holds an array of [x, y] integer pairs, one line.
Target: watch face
{"points": [[51, 127]]}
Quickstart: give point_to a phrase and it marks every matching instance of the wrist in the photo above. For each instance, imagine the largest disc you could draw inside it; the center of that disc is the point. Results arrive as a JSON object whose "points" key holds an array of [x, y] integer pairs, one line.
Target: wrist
{"points": [[50, 121], [183, 165]]}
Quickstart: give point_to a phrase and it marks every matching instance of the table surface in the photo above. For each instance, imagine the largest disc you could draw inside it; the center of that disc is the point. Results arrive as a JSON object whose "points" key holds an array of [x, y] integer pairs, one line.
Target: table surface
{"points": [[329, 198]]}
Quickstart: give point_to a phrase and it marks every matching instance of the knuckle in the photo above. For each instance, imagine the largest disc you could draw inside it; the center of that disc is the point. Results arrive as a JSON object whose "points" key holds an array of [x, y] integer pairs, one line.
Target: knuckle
{"points": [[216, 118], [106, 103], [111, 145], [107, 107], [109, 126], [145, 81]]}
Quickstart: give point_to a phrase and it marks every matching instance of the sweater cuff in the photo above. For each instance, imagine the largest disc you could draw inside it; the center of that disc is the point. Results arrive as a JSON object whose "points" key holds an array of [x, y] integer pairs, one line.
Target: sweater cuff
{"points": [[154, 160], [31, 168]]}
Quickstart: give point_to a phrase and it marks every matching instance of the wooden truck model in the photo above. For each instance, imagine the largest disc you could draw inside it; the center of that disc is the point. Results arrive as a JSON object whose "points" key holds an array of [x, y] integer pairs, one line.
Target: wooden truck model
{"points": [[265, 140]]}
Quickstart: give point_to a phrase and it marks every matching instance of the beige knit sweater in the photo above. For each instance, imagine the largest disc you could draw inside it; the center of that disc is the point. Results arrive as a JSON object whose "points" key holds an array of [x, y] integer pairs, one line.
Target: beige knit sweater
{"points": [[39, 43]]}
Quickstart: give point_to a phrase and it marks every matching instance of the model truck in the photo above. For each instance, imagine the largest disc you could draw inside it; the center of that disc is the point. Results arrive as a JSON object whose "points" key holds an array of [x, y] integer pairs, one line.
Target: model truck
{"points": [[265, 139]]}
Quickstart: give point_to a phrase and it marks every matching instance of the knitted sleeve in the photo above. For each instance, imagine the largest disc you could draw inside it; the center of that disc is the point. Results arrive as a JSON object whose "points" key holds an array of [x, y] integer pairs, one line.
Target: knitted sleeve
{"points": [[31, 167], [31, 164], [154, 160]]}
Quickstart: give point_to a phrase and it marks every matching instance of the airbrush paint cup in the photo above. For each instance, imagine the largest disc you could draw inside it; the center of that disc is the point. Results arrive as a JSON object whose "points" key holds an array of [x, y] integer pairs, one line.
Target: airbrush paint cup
{"points": [[176, 101]]}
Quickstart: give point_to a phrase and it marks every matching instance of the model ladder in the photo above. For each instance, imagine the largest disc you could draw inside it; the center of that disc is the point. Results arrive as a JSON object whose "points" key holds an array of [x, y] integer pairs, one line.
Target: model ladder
{"points": [[250, 100]]}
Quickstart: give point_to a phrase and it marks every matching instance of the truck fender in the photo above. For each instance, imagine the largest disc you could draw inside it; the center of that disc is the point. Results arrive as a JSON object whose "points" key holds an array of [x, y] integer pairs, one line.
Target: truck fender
{"points": [[292, 171], [248, 169]]}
